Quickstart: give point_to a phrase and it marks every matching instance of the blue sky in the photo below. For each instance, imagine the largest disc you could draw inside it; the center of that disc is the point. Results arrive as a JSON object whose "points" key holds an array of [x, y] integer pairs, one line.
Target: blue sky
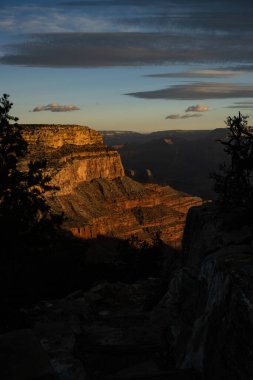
{"points": [[139, 65]]}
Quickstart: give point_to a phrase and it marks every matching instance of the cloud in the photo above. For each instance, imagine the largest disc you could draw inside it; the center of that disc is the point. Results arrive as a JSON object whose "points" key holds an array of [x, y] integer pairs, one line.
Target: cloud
{"points": [[86, 50], [55, 107], [169, 32], [40, 20], [198, 91], [241, 105], [207, 73], [117, 3], [198, 108], [125, 49], [51, 17], [191, 16], [177, 116], [169, 16], [244, 103]]}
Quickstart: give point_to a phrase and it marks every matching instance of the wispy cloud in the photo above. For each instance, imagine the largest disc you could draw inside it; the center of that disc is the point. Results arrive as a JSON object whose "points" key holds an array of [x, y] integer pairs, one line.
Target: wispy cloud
{"points": [[198, 108], [241, 105], [99, 3], [41, 19], [207, 73], [199, 91], [125, 49], [186, 116], [92, 33], [55, 107], [170, 16]]}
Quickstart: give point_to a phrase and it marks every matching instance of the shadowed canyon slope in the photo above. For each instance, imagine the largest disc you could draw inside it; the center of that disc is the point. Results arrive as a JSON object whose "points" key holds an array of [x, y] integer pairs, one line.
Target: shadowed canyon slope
{"points": [[191, 320], [182, 159], [94, 193]]}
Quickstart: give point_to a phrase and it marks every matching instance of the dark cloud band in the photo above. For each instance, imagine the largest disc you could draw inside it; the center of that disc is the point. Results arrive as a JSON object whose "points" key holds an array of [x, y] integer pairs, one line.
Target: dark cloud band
{"points": [[124, 49], [206, 73], [199, 91]]}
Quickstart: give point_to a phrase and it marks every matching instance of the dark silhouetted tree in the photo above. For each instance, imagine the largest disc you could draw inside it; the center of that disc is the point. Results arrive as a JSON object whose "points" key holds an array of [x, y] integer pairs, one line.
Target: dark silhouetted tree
{"points": [[234, 181], [23, 209]]}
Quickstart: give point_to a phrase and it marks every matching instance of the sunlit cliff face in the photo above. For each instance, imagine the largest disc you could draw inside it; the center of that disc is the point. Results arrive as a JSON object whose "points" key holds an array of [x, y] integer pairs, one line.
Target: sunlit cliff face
{"points": [[56, 136], [94, 193], [75, 154]]}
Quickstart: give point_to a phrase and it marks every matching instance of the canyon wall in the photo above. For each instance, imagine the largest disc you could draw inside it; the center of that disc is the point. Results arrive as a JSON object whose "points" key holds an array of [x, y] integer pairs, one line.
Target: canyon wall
{"points": [[74, 154], [94, 193], [207, 310], [43, 137]]}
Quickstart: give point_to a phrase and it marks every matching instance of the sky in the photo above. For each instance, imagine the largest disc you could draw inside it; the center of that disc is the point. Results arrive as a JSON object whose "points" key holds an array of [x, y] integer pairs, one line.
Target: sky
{"points": [[139, 65]]}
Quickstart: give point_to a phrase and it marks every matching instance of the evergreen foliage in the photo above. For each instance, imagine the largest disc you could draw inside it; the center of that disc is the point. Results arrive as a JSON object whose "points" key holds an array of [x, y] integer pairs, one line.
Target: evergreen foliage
{"points": [[233, 183], [23, 209]]}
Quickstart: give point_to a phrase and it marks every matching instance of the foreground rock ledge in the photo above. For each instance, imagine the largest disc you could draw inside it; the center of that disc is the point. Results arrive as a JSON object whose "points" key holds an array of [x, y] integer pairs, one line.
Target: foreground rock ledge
{"points": [[207, 310]]}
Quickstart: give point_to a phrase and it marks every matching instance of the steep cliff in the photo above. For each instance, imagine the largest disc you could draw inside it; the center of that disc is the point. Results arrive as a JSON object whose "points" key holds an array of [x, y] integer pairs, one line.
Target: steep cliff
{"points": [[94, 193], [42, 137], [207, 311], [74, 154], [123, 207]]}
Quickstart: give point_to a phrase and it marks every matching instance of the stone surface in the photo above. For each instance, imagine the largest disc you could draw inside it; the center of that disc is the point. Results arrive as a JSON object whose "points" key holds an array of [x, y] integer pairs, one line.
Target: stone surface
{"points": [[57, 325], [104, 333], [207, 313], [95, 195], [150, 370], [74, 154], [122, 207], [181, 159], [41, 136]]}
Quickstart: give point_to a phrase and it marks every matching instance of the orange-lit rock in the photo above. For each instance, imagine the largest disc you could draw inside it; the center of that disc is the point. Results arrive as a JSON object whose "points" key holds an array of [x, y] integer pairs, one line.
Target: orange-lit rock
{"points": [[74, 154], [55, 136], [95, 195], [123, 207]]}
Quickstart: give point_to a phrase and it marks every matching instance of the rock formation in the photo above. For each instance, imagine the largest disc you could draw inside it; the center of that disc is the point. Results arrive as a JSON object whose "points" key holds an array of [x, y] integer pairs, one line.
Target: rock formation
{"points": [[207, 311], [181, 159], [201, 328], [103, 333], [95, 195], [75, 154], [196, 320]]}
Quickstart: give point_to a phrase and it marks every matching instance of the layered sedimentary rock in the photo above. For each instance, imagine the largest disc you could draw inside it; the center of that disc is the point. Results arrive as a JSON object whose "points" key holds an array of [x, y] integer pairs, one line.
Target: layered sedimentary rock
{"points": [[207, 311], [95, 195], [74, 154], [123, 207], [43, 137]]}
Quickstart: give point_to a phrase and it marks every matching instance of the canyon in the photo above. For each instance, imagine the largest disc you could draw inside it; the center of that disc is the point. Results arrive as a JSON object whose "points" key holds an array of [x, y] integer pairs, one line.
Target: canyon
{"points": [[192, 321], [96, 196], [181, 159], [195, 323]]}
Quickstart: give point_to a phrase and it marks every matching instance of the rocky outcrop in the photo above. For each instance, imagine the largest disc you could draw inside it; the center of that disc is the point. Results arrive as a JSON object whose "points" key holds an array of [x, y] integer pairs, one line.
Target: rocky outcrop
{"points": [[94, 193], [42, 137], [103, 333], [207, 311], [122, 207], [74, 154]]}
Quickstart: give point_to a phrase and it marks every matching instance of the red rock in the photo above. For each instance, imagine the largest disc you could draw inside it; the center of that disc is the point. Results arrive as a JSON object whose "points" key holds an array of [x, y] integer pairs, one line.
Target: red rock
{"points": [[96, 196]]}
